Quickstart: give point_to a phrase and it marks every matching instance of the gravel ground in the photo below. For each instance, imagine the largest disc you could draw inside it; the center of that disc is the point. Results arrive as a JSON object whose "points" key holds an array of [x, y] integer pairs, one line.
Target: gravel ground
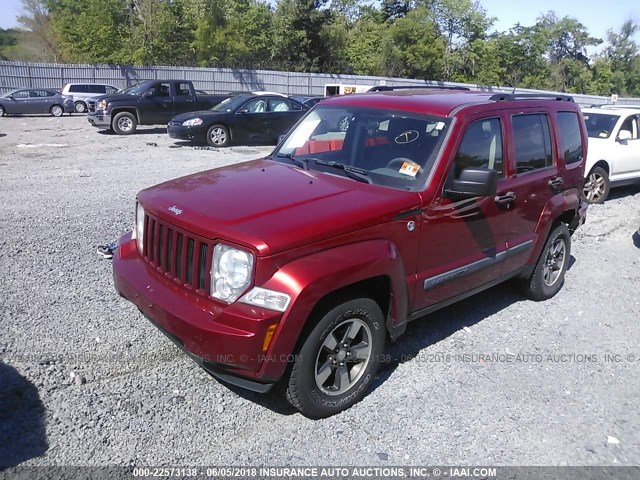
{"points": [[86, 380]]}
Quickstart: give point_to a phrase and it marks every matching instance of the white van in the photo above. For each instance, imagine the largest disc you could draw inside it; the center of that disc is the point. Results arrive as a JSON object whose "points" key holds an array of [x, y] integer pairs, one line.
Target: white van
{"points": [[81, 92]]}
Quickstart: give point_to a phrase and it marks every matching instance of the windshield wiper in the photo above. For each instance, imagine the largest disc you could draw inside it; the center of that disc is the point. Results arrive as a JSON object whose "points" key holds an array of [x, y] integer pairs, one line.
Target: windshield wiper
{"points": [[301, 162], [352, 172]]}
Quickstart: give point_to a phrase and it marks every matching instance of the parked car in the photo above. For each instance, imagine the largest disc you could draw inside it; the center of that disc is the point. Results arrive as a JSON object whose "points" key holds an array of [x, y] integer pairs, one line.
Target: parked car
{"points": [[36, 100], [614, 150], [243, 118], [150, 103], [308, 100], [297, 267], [82, 92]]}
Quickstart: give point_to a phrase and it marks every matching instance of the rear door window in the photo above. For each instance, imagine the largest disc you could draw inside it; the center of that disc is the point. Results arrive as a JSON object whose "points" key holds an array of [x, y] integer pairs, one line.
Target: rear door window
{"points": [[183, 89], [532, 142], [78, 88], [96, 89], [570, 138]]}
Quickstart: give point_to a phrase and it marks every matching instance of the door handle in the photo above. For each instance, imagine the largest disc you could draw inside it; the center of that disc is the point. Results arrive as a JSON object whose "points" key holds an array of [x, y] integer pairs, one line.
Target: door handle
{"points": [[555, 184], [507, 199], [189, 101]]}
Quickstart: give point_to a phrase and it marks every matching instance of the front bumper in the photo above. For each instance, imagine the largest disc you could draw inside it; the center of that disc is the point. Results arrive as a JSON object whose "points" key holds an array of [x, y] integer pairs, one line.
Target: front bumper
{"points": [[226, 340], [177, 131], [99, 119]]}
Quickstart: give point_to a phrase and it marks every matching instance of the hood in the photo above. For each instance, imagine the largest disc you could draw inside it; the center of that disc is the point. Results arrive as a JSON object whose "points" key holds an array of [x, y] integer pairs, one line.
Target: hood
{"points": [[273, 207], [201, 114]]}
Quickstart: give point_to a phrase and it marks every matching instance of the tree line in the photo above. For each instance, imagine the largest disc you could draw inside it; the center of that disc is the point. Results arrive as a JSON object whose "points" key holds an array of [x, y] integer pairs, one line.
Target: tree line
{"points": [[450, 40]]}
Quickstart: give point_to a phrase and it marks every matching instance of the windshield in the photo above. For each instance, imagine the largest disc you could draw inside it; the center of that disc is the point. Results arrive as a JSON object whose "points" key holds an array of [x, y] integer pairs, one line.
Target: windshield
{"points": [[230, 104], [393, 149], [600, 125], [135, 90]]}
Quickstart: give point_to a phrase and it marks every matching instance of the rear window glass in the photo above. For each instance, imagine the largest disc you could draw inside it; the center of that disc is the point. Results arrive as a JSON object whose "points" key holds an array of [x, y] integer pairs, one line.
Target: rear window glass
{"points": [[532, 142], [571, 141]]}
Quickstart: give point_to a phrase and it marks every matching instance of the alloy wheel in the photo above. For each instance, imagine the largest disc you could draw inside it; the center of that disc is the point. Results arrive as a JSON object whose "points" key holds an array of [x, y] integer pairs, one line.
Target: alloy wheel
{"points": [[594, 187], [554, 261], [218, 136], [343, 357]]}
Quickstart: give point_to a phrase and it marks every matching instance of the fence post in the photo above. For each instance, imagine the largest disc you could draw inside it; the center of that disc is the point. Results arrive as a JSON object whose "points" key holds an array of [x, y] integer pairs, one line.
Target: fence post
{"points": [[29, 74]]}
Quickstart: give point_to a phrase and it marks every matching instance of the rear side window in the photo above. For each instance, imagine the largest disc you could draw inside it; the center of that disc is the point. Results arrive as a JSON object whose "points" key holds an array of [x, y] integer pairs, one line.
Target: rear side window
{"points": [[183, 89], [481, 147], [96, 89], [532, 141], [571, 141], [78, 88]]}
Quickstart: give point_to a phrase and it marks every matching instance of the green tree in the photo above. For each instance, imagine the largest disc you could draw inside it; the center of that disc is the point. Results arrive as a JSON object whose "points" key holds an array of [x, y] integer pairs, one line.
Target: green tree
{"points": [[92, 31], [413, 47], [38, 42], [623, 58]]}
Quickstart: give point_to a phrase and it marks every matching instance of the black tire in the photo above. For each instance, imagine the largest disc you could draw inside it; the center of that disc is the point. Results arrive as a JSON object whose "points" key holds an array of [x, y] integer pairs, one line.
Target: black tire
{"points": [[2, 111], [80, 107], [218, 136], [56, 110], [596, 186], [548, 275], [319, 392], [124, 123]]}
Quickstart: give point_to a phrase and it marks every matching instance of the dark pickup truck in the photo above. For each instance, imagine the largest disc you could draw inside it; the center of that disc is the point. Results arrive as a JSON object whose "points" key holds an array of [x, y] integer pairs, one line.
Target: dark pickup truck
{"points": [[153, 102]]}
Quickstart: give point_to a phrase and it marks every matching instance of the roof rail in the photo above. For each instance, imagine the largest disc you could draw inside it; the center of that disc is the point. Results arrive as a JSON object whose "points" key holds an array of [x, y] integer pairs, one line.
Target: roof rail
{"points": [[501, 97], [389, 88], [613, 107]]}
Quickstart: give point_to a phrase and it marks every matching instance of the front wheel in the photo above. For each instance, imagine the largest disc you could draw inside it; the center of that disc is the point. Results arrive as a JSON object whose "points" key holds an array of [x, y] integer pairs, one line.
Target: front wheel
{"points": [[338, 360], [218, 136], [596, 186], [548, 276], [56, 110], [124, 123]]}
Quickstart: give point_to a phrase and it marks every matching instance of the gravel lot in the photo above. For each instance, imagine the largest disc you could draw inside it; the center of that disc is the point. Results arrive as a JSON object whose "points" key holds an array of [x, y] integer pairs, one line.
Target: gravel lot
{"points": [[86, 380]]}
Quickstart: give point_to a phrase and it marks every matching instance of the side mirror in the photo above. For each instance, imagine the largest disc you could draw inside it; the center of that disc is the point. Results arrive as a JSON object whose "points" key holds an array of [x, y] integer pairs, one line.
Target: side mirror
{"points": [[148, 93], [624, 135], [243, 110], [474, 182]]}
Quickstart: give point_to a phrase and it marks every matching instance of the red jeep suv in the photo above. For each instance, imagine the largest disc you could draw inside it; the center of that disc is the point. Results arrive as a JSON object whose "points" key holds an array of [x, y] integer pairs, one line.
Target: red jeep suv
{"points": [[298, 267]]}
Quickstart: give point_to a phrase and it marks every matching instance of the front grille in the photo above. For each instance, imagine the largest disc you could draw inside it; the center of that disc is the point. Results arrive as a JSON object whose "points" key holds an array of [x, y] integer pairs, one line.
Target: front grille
{"points": [[91, 106], [177, 254]]}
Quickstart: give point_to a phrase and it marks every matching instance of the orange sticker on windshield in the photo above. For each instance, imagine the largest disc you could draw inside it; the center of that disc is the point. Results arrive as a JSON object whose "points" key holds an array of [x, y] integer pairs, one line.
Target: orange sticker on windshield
{"points": [[410, 169]]}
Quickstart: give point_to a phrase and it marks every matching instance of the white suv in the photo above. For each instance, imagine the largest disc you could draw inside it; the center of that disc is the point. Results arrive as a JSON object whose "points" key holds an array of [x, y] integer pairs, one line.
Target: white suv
{"points": [[81, 92], [613, 158]]}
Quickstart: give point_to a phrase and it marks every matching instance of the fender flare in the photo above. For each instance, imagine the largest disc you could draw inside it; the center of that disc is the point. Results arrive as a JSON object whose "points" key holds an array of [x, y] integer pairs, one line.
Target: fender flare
{"points": [[553, 211], [309, 279], [133, 110]]}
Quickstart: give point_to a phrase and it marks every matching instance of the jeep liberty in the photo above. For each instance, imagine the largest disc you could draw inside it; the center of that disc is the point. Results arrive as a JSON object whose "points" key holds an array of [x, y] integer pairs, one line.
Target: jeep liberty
{"points": [[297, 268]]}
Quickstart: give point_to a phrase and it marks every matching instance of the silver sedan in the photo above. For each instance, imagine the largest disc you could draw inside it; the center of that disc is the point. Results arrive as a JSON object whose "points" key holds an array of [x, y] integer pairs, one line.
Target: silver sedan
{"points": [[35, 100]]}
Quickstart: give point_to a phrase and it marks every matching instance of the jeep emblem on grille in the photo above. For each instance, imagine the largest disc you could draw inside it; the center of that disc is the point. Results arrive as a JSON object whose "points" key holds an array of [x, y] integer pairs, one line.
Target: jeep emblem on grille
{"points": [[175, 210]]}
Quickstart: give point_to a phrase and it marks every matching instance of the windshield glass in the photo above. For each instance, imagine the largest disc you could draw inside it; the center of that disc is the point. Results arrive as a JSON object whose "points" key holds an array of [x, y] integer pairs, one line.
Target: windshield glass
{"points": [[135, 90], [230, 104], [393, 149], [600, 125]]}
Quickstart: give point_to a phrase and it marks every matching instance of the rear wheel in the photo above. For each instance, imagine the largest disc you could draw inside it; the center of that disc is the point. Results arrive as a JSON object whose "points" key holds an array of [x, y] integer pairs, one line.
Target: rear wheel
{"points": [[56, 110], [218, 136], [548, 276], [338, 360], [80, 107], [2, 111], [597, 185], [124, 123]]}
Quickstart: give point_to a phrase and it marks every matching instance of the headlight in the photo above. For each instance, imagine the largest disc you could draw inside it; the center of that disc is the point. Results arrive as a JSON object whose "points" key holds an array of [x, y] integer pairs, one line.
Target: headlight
{"points": [[261, 297], [101, 105], [194, 122], [139, 230], [231, 272]]}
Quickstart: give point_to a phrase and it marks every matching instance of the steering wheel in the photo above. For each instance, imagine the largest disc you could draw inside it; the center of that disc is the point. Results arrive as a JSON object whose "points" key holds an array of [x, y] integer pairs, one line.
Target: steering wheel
{"points": [[396, 163]]}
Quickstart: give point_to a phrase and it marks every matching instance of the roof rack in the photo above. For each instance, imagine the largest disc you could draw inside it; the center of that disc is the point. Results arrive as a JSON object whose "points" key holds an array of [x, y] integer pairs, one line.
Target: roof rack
{"points": [[389, 88], [613, 107], [502, 97]]}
